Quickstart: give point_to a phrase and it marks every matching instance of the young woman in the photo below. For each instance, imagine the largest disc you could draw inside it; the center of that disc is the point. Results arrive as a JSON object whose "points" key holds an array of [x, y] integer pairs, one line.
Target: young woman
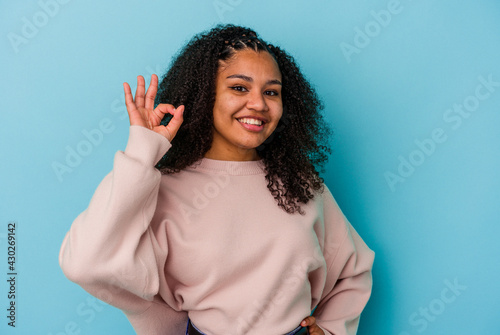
{"points": [[214, 219]]}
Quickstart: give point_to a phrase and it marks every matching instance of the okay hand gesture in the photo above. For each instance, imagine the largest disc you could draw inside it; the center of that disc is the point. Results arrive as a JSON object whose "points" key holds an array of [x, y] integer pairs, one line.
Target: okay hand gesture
{"points": [[141, 111]]}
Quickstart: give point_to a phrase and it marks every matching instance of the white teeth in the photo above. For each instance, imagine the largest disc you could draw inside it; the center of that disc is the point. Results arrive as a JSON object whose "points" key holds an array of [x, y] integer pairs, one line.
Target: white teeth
{"points": [[250, 121]]}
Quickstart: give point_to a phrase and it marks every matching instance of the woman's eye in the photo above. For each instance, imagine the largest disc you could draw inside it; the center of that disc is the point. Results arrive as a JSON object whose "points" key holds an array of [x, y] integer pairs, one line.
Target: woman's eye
{"points": [[244, 89], [272, 93], [239, 88]]}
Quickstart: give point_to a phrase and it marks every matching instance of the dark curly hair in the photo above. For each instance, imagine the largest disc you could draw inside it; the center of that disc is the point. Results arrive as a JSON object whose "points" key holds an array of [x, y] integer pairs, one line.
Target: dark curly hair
{"points": [[293, 152]]}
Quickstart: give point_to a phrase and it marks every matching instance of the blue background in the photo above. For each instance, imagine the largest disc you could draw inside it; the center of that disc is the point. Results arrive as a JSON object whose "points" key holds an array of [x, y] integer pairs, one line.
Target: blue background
{"points": [[432, 225]]}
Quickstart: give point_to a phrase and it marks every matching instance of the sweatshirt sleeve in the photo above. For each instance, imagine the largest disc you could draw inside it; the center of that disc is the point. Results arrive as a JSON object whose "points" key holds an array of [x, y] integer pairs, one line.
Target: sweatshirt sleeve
{"points": [[110, 249], [349, 278]]}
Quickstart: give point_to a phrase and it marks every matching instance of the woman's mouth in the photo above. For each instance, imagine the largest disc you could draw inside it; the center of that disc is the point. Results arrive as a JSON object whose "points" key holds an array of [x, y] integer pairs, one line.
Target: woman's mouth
{"points": [[251, 124]]}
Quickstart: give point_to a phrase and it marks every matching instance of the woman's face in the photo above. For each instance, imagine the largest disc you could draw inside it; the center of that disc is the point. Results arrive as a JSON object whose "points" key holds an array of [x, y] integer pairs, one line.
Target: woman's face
{"points": [[247, 106]]}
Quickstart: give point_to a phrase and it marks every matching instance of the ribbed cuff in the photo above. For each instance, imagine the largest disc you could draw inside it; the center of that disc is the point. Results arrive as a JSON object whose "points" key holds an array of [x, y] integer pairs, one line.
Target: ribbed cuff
{"points": [[146, 146]]}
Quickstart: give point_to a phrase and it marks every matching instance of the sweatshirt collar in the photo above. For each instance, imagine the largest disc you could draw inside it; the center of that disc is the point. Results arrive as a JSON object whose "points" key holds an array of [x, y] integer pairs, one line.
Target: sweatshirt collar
{"points": [[235, 168]]}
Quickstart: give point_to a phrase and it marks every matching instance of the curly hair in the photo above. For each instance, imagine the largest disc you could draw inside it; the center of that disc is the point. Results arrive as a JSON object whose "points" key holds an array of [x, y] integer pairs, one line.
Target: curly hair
{"points": [[293, 154]]}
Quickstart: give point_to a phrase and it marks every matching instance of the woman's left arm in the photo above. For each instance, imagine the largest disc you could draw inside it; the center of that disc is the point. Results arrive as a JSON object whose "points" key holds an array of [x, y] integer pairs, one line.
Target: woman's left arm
{"points": [[349, 279]]}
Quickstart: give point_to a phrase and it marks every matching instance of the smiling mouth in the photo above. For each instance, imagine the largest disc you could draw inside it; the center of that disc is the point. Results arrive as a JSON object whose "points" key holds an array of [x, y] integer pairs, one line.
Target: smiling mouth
{"points": [[250, 121], [251, 124]]}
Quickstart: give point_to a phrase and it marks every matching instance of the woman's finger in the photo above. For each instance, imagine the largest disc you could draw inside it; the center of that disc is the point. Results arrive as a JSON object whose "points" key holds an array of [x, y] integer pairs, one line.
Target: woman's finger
{"points": [[129, 102], [312, 327], [175, 123], [151, 93], [309, 321], [139, 92], [163, 109]]}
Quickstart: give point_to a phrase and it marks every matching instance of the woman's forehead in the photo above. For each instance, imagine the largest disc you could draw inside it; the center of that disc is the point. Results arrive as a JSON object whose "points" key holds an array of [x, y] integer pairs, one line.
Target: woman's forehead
{"points": [[251, 61]]}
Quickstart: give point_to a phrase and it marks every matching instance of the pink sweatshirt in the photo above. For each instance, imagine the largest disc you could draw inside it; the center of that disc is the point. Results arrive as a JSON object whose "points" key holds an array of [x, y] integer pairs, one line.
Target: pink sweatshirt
{"points": [[210, 242]]}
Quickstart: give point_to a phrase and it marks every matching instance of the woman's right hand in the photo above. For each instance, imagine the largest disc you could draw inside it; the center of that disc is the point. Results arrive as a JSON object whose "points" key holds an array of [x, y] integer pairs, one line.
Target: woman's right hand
{"points": [[141, 111]]}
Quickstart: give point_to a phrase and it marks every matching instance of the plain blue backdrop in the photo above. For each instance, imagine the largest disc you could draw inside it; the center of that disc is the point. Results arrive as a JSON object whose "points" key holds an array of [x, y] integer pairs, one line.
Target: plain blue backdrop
{"points": [[412, 89]]}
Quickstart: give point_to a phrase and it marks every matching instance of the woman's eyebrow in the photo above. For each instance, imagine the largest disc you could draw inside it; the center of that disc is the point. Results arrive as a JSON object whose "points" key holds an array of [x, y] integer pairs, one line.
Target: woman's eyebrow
{"points": [[250, 79]]}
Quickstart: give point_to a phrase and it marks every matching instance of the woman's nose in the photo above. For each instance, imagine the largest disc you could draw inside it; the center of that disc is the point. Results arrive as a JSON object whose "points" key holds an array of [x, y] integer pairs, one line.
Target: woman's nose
{"points": [[256, 101]]}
